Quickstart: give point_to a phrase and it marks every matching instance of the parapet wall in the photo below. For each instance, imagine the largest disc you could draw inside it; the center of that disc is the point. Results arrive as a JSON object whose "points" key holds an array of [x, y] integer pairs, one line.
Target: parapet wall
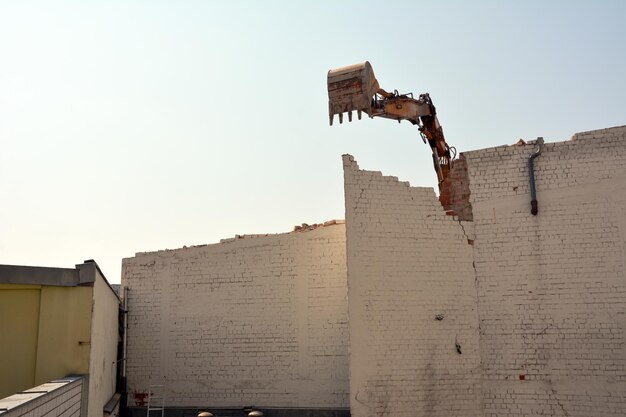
{"points": [[59, 398], [258, 320], [414, 347]]}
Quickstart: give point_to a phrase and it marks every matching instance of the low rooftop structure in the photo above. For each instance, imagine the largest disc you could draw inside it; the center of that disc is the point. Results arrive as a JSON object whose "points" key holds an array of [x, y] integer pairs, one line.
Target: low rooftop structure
{"points": [[58, 322]]}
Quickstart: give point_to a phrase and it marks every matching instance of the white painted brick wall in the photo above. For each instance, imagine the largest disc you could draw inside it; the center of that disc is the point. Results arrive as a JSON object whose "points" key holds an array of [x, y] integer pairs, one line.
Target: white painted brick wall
{"points": [[552, 287], [259, 320], [407, 263], [591, 156], [263, 320], [62, 398]]}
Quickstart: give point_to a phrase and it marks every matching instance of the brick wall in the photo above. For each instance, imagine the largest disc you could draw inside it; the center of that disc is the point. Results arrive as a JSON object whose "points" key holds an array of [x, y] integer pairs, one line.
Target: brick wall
{"points": [[258, 320], [589, 157], [60, 398], [552, 287], [412, 300], [536, 304], [455, 191]]}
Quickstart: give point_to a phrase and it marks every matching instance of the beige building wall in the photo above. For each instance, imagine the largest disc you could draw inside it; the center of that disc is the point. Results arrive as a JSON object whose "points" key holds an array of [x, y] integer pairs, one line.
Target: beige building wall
{"points": [[42, 327], [256, 320], [56, 322], [64, 328], [552, 287], [104, 339], [19, 326], [414, 341]]}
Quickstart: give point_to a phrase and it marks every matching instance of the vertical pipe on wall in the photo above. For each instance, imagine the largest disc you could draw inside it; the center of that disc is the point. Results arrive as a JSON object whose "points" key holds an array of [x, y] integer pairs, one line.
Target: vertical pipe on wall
{"points": [[531, 173], [125, 307]]}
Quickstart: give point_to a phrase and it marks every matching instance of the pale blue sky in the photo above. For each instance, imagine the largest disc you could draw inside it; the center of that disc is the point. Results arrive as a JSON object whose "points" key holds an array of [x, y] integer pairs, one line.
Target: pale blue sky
{"points": [[145, 125]]}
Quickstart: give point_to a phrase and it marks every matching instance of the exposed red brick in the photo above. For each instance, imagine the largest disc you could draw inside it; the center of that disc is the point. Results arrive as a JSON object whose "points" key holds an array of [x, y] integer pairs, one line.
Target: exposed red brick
{"points": [[455, 191]]}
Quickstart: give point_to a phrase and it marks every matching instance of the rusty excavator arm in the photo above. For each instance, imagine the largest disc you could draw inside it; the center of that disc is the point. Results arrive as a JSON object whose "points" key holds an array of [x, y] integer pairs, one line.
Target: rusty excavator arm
{"points": [[355, 88]]}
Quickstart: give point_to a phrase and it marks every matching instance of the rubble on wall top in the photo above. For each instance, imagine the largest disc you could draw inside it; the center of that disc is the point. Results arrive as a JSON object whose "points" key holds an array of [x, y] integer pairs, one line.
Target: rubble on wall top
{"points": [[615, 131], [594, 134], [304, 227], [307, 227]]}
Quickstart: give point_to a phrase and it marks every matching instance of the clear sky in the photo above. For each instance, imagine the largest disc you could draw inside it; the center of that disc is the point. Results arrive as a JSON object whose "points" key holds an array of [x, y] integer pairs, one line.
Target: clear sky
{"points": [[135, 126]]}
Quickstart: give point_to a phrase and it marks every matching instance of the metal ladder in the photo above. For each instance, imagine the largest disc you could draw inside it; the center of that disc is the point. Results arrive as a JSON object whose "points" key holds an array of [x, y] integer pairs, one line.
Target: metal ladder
{"points": [[156, 400]]}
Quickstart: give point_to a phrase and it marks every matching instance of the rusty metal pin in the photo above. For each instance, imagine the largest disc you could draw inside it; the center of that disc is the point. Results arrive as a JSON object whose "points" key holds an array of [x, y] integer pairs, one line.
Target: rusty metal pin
{"points": [[349, 116], [340, 118]]}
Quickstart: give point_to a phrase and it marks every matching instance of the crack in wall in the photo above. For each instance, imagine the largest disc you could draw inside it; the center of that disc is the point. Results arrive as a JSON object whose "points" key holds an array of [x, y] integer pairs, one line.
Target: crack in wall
{"points": [[478, 316]]}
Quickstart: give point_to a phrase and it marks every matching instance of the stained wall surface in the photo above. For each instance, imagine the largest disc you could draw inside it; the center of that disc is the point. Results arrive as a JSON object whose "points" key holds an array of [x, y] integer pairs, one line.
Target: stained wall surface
{"points": [[414, 348], [552, 287], [258, 320]]}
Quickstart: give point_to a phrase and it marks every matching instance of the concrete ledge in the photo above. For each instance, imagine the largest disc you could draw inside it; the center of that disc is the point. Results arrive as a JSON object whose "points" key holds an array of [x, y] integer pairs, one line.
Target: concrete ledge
{"points": [[37, 275], [26, 401]]}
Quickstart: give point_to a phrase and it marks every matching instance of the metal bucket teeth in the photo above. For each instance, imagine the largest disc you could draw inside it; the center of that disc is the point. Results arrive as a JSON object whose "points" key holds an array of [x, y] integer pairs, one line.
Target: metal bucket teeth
{"points": [[351, 88]]}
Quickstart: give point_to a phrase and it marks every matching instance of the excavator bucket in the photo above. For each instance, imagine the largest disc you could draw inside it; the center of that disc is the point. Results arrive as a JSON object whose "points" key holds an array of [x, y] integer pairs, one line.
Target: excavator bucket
{"points": [[351, 88]]}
